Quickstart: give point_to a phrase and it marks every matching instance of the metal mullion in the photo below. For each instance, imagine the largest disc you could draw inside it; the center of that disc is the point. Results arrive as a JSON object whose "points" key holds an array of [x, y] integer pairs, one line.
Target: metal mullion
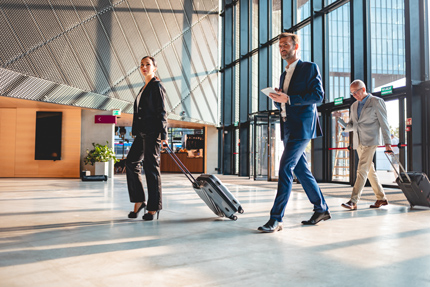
{"points": [[333, 6]]}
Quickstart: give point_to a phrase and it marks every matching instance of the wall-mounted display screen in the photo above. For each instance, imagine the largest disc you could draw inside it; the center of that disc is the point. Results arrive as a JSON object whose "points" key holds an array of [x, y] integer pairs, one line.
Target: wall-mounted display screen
{"points": [[48, 135]]}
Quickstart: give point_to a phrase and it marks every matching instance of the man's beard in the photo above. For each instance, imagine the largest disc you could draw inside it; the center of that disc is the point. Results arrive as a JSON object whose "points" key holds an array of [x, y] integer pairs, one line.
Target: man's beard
{"points": [[287, 56]]}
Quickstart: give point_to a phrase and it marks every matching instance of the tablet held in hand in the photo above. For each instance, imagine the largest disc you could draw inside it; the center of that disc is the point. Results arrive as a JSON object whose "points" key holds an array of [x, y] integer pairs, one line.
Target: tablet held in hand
{"points": [[269, 90]]}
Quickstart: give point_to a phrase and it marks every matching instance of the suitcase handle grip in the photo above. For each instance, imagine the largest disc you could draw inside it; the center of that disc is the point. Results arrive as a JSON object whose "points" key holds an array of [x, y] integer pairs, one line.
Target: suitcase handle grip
{"points": [[182, 167], [391, 160]]}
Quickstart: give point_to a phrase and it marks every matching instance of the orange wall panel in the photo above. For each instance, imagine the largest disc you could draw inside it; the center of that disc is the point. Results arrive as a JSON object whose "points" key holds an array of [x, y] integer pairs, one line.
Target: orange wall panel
{"points": [[7, 142], [27, 166]]}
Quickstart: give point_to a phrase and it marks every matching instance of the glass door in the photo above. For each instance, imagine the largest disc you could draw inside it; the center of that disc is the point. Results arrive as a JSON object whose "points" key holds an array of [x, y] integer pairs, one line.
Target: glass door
{"points": [[339, 152], [251, 148], [276, 146], [261, 143], [395, 117], [236, 151]]}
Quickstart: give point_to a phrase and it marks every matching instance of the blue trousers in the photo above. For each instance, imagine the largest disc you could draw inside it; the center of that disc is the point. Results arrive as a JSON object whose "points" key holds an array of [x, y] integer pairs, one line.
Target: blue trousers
{"points": [[294, 160]]}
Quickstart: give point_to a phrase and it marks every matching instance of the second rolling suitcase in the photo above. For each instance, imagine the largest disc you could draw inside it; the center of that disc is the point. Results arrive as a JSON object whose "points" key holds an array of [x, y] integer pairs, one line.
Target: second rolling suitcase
{"points": [[210, 189], [415, 185]]}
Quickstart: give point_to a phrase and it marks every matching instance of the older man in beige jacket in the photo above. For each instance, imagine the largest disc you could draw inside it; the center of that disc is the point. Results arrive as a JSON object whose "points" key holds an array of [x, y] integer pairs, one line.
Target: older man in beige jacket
{"points": [[368, 120]]}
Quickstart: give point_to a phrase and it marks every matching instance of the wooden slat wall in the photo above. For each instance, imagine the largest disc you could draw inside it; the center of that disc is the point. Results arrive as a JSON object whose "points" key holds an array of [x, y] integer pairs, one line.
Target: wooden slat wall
{"points": [[24, 164]]}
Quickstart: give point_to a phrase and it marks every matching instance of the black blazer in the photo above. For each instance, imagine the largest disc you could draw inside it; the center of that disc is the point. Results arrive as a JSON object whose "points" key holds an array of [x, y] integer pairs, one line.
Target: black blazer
{"points": [[150, 116]]}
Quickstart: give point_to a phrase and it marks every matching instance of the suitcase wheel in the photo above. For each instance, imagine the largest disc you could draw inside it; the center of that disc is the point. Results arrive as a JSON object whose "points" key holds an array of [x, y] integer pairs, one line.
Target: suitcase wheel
{"points": [[233, 217], [240, 209]]}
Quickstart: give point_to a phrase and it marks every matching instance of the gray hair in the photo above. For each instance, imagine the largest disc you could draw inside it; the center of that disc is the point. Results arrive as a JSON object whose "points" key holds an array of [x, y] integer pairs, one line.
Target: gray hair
{"points": [[358, 83]]}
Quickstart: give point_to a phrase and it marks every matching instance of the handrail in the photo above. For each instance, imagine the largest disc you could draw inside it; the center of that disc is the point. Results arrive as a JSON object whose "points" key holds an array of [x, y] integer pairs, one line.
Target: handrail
{"points": [[349, 147]]}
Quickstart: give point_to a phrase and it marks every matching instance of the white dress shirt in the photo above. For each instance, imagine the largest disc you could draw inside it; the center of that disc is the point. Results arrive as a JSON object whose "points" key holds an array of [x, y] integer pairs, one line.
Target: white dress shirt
{"points": [[289, 69]]}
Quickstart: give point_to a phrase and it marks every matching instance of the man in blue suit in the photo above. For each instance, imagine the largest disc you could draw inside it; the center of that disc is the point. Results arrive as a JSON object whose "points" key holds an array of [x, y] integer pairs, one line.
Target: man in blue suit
{"points": [[299, 91]]}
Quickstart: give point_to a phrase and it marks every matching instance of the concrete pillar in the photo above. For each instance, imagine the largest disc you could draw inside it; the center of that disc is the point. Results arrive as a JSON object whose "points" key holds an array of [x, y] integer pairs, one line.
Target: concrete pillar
{"points": [[95, 133]]}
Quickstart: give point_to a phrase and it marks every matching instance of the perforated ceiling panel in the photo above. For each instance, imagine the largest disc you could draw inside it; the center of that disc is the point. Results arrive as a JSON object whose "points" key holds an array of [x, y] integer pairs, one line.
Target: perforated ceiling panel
{"points": [[87, 53]]}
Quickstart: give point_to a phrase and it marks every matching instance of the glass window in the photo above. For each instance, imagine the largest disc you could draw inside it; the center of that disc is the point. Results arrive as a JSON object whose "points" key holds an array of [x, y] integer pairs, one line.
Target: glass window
{"points": [[237, 30], [254, 87], [387, 44], [303, 10], [339, 53], [177, 139], [254, 25], [276, 18], [277, 63], [122, 142], [305, 43], [237, 93]]}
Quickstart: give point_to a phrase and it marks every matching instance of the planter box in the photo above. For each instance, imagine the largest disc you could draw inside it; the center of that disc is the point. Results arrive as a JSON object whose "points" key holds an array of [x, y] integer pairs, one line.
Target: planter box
{"points": [[101, 168]]}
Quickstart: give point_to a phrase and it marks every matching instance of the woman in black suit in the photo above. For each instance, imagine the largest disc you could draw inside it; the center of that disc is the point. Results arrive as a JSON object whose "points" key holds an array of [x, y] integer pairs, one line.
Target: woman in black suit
{"points": [[150, 130]]}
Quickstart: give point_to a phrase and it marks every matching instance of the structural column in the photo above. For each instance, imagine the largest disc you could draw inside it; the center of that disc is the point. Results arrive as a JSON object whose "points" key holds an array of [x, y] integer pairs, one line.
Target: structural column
{"points": [[416, 74]]}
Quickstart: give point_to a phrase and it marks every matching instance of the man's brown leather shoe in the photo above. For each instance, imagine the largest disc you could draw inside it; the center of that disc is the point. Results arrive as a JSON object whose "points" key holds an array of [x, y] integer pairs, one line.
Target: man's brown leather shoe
{"points": [[379, 203], [350, 205]]}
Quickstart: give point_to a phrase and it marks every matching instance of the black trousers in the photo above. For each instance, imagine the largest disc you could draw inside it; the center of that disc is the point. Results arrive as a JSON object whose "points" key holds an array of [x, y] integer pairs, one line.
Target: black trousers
{"points": [[145, 147]]}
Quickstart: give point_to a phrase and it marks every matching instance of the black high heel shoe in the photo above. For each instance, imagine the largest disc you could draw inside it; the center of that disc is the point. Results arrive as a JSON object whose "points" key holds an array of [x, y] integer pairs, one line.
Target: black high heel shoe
{"points": [[133, 214], [148, 216]]}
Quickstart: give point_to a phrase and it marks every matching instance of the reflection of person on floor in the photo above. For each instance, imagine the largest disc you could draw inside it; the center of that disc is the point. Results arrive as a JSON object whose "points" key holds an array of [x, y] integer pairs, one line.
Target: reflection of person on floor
{"points": [[395, 141], [368, 118], [297, 97]]}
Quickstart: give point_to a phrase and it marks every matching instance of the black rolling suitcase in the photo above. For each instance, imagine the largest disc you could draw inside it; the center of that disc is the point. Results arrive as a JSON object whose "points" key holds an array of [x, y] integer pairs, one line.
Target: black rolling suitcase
{"points": [[210, 189], [415, 185]]}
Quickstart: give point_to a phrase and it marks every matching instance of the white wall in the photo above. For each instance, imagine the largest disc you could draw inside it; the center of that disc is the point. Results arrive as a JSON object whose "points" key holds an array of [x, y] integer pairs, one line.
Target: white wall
{"points": [[95, 133], [211, 150]]}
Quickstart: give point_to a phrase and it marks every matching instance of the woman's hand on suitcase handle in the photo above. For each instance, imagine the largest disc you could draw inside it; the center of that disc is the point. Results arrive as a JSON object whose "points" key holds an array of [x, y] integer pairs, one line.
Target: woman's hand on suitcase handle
{"points": [[164, 143]]}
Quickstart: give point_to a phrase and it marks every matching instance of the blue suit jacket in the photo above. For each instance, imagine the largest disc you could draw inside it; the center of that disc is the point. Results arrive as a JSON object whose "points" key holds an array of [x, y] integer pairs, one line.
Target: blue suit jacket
{"points": [[305, 91]]}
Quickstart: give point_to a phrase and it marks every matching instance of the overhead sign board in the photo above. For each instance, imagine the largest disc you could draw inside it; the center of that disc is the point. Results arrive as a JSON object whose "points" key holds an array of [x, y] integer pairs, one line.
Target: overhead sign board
{"points": [[104, 119], [387, 90], [338, 101]]}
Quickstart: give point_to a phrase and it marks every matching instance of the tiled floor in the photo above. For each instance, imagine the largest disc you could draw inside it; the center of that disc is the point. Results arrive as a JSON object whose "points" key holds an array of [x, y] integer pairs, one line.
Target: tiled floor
{"points": [[64, 232]]}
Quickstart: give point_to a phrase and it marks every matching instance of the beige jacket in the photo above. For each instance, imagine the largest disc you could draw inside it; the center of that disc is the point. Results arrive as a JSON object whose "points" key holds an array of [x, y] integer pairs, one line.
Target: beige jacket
{"points": [[372, 123]]}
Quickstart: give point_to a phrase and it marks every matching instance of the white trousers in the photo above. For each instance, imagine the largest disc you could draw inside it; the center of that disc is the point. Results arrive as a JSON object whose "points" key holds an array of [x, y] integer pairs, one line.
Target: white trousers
{"points": [[366, 169]]}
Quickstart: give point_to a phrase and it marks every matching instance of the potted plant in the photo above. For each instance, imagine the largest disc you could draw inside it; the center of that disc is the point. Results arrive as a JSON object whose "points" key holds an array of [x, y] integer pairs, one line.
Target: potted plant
{"points": [[99, 157]]}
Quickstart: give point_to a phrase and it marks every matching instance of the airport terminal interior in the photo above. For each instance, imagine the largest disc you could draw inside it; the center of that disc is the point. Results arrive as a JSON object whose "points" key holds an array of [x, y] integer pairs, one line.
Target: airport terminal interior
{"points": [[69, 78]]}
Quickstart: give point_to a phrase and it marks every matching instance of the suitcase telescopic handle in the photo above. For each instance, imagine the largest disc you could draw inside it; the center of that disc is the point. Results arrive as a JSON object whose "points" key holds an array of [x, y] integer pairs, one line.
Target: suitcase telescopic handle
{"points": [[395, 158], [183, 168]]}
